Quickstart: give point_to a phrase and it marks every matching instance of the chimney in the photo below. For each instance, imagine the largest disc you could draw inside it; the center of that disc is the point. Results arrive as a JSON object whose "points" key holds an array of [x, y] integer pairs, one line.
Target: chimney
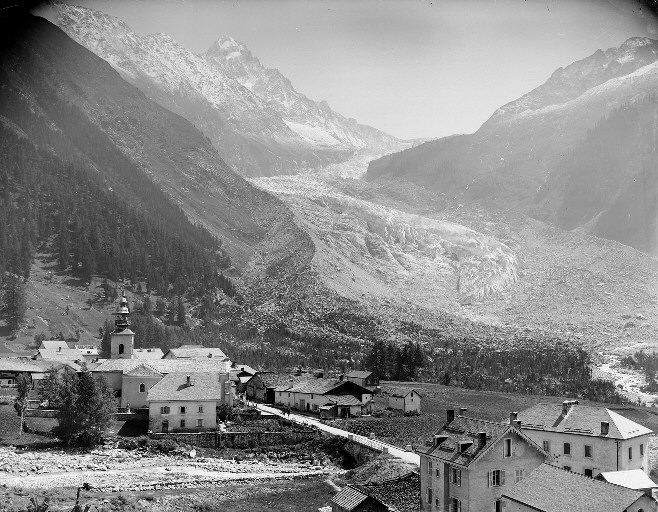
{"points": [[210, 355], [482, 439], [438, 439], [462, 411], [340, 377], [464, 445], [189, 381], [518, 423], [59, 349], [512, 417], [566, 405], [605, 428], [450, 415]]}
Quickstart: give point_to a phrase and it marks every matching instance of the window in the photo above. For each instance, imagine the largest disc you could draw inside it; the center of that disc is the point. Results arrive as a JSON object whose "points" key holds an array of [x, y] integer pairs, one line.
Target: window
{"points": [[429, 466], [518, 475], [496, 478], [199, 423], [507, 448], [438, 472], [588, 472], [182, 423], [429, 495], [567, 468], [567, 448], [164, 410], [182, 410], [288, 395], [142, 388], [498, 507], [588, 451], [165, 425], [311, 397], [547, 446], [456, 476], [630, 453], [641, 450], [454, 505], [120, 348], [437, 503], [201, 409]]}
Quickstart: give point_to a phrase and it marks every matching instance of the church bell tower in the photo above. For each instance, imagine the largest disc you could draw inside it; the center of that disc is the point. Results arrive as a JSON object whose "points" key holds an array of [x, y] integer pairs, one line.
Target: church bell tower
{"points": [[122, 338]]}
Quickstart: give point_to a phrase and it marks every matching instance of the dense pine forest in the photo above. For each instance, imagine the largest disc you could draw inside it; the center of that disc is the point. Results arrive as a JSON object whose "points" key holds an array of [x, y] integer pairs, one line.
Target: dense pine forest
{"points": [[63, 210]]}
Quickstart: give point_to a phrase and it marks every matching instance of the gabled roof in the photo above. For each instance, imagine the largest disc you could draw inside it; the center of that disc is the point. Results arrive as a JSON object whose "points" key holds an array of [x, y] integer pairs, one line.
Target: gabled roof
{"points": [[164, 366], [172, 387], [400, 494], [402, 393], [148, 353], [324, 386], [465, 429], [196, 352], [631, 479], [54, 345], [359, 374], [580, 419], [116, 365], [143, 370], [280, 381], [19, 365], [342, 400], [552, 489], [348, 498], [65, 354]]}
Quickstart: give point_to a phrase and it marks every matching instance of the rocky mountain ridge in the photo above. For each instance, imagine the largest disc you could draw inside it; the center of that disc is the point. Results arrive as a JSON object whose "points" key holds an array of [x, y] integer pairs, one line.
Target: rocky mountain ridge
{"points": [[518, 150], [253, 116]]}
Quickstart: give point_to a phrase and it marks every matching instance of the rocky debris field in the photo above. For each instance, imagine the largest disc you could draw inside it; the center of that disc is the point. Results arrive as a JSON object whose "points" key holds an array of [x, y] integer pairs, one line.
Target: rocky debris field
{"points": [[115, 469]]}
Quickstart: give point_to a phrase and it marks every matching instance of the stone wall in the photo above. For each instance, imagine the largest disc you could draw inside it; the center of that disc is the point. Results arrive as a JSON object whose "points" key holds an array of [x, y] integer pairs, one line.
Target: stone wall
{"points": [[239, 439]]}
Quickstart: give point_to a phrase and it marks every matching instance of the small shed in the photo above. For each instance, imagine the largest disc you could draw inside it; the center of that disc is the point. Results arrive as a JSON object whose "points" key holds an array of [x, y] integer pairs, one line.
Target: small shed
{"points": [[405, 400], [363, 378]]}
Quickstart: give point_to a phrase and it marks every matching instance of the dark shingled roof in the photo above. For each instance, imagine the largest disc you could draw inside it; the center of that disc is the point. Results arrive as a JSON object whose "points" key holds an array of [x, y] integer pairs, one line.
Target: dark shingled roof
{"points": [[400, 494], [359, 374], [552, 489], [580, 419], [466, 429]]}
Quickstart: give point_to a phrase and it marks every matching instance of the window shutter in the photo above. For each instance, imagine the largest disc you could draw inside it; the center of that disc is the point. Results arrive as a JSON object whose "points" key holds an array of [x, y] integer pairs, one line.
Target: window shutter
{"points": [[459, 477], [502, 477], [490, 479]]}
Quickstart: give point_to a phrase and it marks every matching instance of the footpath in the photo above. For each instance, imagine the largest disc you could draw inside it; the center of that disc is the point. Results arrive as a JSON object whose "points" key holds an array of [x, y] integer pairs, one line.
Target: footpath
{"points": [[395, 451]]}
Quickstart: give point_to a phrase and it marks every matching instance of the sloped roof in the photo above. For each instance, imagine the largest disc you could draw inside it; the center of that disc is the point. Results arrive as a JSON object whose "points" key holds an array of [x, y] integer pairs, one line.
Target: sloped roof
{"points": [[465, 429], [54, 345], [348, 498], [324, 386], [239, 368], [19, 365], [631, 479], [116, 365], [552, 489], [280, 381], [400, 494], [143, 370], [580, 419], [205, 386], [189, 365], [65, 354], [403, 392], [359, 374], [196, 352], [343, 399], [148, 353]]}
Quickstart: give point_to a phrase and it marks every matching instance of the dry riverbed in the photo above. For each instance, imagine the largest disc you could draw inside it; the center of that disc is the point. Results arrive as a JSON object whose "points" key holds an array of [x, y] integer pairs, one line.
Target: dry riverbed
{"points": [[114, 469]]}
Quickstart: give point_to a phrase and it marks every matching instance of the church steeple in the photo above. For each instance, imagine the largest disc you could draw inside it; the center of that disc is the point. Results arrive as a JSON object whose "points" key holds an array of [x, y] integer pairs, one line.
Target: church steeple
{"points": [[122, 314], [122, 339]]}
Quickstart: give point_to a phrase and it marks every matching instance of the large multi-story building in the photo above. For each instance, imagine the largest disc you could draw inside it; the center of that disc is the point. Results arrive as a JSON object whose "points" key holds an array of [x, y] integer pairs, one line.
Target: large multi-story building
{"points": [[471, 462], [585, 439]]}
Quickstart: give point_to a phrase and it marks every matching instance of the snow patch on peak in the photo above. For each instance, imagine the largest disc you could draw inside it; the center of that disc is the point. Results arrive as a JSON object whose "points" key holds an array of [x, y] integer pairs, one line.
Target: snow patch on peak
{"points": [[227, 42]]}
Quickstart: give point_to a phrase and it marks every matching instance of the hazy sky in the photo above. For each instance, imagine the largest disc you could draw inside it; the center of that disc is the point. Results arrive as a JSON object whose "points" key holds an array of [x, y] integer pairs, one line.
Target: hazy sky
{"points": [[413, 68]]}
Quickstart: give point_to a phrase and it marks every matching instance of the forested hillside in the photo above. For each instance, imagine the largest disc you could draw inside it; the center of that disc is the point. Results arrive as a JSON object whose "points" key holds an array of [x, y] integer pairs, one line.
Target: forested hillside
{"points": [[59, 208]]}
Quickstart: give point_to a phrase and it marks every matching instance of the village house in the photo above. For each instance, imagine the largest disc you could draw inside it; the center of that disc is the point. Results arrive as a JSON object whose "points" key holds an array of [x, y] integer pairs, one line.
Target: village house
{"points": [[635, 479], [587, 440], [330, 397], [552, 489], [263, 386], [398, 494], [471, 462], [58, 350], [148, 354], [405, 400], [187, 402], [365, 379], [135, 385], [10, 369], [195, 352]]}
